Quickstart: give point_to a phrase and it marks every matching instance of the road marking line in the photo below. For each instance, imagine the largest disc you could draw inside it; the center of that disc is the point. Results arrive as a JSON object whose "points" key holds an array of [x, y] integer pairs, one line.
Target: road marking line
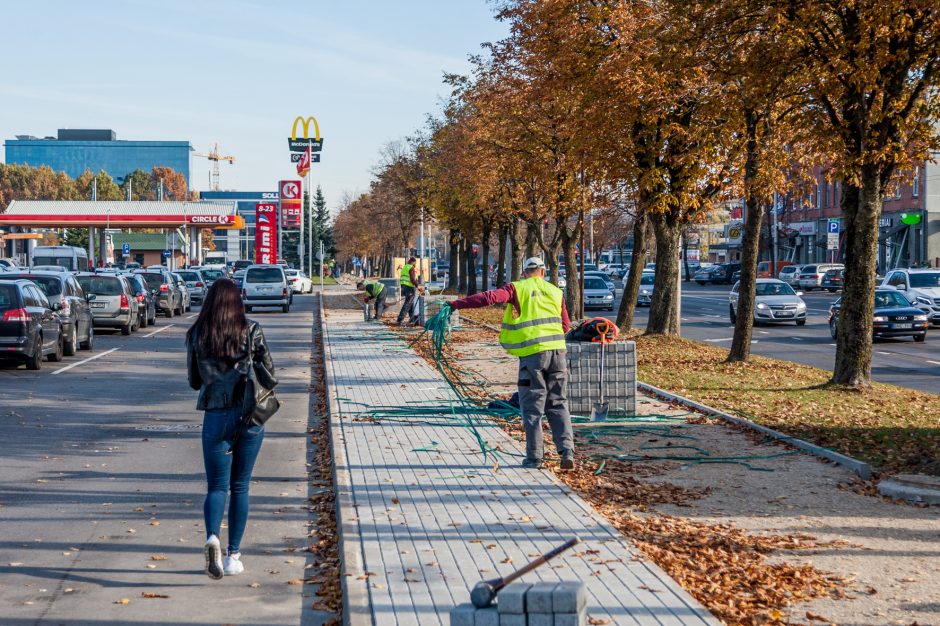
{"points": [[796, 338], [91, 358], [933, 362], [159, 330], [189, 317], [764, 332], [711, 315], [722, 339], [884, 353], [833, 345]]}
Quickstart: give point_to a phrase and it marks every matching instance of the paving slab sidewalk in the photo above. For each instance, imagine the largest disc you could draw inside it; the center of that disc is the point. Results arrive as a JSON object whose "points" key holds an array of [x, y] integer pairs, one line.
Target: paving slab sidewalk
{"points": [[423, 516]]}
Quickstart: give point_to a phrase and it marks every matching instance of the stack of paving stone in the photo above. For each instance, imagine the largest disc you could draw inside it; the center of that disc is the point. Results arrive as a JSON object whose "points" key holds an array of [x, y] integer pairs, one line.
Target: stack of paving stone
{"points": [[522, 604], [584, 383]]}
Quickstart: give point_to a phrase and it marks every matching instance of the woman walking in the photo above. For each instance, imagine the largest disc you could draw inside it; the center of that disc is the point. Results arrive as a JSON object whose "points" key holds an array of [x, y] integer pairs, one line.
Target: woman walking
{"points": [[222, 345]]}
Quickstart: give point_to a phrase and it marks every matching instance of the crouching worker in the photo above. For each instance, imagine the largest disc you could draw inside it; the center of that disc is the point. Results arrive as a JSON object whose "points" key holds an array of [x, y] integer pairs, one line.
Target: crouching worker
{"points": [[533, 329], [374, 291]]}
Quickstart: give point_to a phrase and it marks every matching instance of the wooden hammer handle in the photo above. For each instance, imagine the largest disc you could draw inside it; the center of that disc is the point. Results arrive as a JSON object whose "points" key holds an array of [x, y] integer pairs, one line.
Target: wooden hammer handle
{"points": [[525, 569]]}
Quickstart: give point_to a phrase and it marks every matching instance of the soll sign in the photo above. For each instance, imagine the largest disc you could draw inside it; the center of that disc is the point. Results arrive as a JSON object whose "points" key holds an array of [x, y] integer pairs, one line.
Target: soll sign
{"points": [[266, 233]]}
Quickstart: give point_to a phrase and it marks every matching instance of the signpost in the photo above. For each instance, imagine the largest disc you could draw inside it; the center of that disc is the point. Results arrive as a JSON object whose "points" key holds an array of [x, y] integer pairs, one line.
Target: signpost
{"points": [[305, 151], [291, 203], [126, 249], [296, 156], [266, 233]]}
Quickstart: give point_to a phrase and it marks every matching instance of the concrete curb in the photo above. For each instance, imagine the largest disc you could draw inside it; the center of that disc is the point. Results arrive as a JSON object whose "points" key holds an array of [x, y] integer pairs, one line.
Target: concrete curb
{"points": [[356, 611], [860, 468], [912, 488]]}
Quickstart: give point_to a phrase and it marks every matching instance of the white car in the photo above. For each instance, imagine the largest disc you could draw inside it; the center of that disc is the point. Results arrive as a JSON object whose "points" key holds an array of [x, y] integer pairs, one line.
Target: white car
{"points": [[922, 288], [775, 301], [299, 282], [645, 296], [265, 286]]}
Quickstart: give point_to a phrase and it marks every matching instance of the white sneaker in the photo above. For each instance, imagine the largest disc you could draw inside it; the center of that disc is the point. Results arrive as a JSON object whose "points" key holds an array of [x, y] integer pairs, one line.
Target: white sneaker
{"points": [[213, 552], [233, 564]]}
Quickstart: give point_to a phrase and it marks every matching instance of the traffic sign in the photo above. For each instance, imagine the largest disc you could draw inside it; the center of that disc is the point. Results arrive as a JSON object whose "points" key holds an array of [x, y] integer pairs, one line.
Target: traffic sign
{"points": [[126, 249], [833, 227], [166, 254], [300, 145], [832, 241], [296, 156]]}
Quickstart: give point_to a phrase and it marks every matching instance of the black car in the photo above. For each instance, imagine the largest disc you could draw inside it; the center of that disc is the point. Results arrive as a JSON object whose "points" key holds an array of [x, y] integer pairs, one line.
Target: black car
{"points": [[717, 274], [30, 329], [894, 316], [833, 280], [212, 275], [163, 287], [78, 329], [144, 296]]}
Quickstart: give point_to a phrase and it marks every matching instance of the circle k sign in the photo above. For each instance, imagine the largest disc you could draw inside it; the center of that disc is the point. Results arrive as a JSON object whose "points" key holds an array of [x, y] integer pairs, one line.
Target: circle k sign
{"points": [[290, 190]]}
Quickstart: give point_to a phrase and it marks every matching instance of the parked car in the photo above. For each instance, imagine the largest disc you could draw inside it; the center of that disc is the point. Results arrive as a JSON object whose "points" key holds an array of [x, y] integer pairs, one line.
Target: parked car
{"points": [[764, 267], [264, 286], [241, 264], [8, 265], [210, 275], [184, 292], [833, 280], [617, 270], [774, 301], [597, 295], [790, 274], [604, 277], [920, 287], [29, 326], [73, 258], [239, 278], [811, 275], [645, 295], [299, 281], [895, 316], [736, 276], [112, 301], [195, 284], [716, 274], [164, 288], [78, 329], [146, 300]]}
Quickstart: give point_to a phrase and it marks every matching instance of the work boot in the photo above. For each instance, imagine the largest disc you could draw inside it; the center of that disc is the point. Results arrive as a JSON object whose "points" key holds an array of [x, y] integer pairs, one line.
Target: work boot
{"points": [[532, 463], [567, 460]]}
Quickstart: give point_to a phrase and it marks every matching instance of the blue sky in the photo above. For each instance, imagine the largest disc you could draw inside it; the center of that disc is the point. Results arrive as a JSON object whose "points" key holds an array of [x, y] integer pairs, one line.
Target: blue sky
{"points": [[239, 72]]}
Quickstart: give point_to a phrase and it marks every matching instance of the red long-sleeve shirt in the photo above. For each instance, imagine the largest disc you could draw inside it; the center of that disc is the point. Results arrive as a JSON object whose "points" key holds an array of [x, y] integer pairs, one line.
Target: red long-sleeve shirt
{"points": [[504, 295]]}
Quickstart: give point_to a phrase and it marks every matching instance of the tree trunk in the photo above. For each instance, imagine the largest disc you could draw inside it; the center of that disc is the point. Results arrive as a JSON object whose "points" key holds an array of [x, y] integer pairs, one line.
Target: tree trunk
{"points": [[531, 239], [501, 256], [685, 255], [861, 207], [664, 307], [569, 242], [750, 242], [515, 262], [487, 230], [470, 263], [632, 288], [462, 267], [453, 274]]}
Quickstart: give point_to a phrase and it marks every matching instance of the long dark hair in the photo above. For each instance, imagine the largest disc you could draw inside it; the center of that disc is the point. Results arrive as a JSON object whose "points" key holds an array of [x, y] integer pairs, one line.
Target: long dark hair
{"points": [[220, 330]]}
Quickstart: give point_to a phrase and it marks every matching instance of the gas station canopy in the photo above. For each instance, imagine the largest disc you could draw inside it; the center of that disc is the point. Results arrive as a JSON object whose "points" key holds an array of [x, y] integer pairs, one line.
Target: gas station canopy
{"points": [[121, 214]]}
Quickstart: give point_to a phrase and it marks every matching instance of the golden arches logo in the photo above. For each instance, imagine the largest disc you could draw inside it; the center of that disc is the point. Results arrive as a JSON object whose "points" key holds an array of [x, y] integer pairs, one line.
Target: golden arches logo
{"points": [[305, 125]]}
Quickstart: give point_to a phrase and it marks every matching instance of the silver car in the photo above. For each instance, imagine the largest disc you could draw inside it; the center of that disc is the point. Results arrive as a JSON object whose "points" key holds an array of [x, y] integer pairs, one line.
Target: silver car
{"points": [[790, 274], [597, 295], [775, 302], [194, 283], [112, 301], [184, 291], [645, 295]]}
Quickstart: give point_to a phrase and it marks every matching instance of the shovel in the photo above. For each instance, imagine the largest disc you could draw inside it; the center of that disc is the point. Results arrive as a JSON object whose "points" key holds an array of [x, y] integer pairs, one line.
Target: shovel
{"points": [[601, 408]]}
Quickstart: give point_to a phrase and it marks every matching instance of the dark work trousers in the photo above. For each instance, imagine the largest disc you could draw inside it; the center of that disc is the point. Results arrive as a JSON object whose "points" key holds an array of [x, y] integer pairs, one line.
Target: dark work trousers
{"points": [[543, 388], [408, 295], [379, 305]]}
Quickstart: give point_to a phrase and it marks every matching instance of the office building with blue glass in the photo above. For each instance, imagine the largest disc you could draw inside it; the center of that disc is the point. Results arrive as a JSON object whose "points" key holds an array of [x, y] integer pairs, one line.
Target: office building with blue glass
{"points": [[75, 150]]}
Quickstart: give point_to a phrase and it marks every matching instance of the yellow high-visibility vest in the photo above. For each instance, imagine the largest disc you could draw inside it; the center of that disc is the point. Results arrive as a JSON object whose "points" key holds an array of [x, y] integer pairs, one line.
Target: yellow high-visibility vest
{"points": [[538, 327], [405, 278]]}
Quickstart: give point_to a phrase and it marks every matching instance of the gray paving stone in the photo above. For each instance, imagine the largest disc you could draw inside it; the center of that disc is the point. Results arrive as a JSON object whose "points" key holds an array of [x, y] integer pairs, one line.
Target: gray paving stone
{"points": [[540, 598], [487, 617], [571, 619], [569, 597], [541, 619], [512, 598], [463, 615], [507, 619]]}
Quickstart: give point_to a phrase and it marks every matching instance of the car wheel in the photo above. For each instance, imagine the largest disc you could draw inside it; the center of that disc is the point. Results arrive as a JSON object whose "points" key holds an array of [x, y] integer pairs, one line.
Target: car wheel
{"points": [[832, 291], [285, 308], [71, 346], [126, 329], [833, 329], [921, 338], [153, 320], [34, 361], [143, 320], [801, 322], [247, 309], [135, 325], [89, 343], [731, 314], [56, 355], [701, 283]]}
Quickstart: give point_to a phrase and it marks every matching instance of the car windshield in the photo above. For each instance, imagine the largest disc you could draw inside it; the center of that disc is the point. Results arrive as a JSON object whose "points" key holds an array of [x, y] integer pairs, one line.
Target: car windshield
{"points": [[293, 272], [831, 273], [648, 279], [189, 276], [264, 275], [594, 283], [809, 269], [774, 289], [50, 286], [890, 300], [60, 261], [926, 279], [101, 285], [212, 274], [7, 297], [154, 281]]}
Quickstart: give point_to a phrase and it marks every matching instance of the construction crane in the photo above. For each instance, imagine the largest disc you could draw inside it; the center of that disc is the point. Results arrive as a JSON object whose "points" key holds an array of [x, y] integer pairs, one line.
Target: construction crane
{"points": [[215, 156]]}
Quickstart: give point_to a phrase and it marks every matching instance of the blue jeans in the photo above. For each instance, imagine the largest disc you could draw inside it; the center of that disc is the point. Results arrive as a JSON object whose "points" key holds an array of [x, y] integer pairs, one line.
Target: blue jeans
{"points": [[228, 470]]}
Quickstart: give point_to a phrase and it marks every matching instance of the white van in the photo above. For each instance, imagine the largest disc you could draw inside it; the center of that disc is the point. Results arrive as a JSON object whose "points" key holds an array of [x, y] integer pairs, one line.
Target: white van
{"points": [[265, 285], [70, 257]]}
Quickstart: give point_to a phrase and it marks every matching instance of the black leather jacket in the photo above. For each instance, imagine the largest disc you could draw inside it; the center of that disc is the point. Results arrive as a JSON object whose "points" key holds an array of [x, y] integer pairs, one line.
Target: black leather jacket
{"points": [[220, 382]]}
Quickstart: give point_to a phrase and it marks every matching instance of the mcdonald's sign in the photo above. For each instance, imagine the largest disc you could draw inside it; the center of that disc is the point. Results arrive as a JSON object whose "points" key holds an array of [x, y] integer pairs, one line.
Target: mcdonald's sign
{"points": [[300, 145]]}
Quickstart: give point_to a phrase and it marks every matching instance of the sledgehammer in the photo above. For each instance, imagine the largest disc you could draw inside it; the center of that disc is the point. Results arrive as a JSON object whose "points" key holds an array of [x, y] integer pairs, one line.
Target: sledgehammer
{"points": [[485, 591]]}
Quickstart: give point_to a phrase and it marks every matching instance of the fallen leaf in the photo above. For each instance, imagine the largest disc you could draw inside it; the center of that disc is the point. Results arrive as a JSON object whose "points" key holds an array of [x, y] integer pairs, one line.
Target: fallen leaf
{"points": [[817, 618], [157, 557], [150, 594], [598, 621], [295, 581], [122, 601]]}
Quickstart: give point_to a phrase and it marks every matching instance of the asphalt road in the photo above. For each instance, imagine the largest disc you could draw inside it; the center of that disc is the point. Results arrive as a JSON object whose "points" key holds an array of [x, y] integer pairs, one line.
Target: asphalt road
{"points": [[896, 361], [102, 486]]}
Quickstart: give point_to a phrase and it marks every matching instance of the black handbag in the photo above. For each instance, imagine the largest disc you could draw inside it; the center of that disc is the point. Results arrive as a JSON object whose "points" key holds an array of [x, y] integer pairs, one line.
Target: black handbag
{"points": [[258, 403]]}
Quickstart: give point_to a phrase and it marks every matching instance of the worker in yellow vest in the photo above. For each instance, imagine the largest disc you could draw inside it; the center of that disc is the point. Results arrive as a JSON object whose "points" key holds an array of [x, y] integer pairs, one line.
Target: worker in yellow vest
{"points": [[374, 291], [410, 284], [534, 327]]}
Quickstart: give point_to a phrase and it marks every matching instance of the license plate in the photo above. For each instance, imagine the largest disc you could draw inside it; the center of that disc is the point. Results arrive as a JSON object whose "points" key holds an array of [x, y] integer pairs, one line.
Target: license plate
{"points": [[98, 305], [902, 326], [784, 314]]}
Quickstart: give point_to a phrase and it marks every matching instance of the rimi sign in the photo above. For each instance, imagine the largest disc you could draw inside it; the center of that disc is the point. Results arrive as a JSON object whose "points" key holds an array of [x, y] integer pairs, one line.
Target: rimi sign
{"points": [[266, 233]]}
